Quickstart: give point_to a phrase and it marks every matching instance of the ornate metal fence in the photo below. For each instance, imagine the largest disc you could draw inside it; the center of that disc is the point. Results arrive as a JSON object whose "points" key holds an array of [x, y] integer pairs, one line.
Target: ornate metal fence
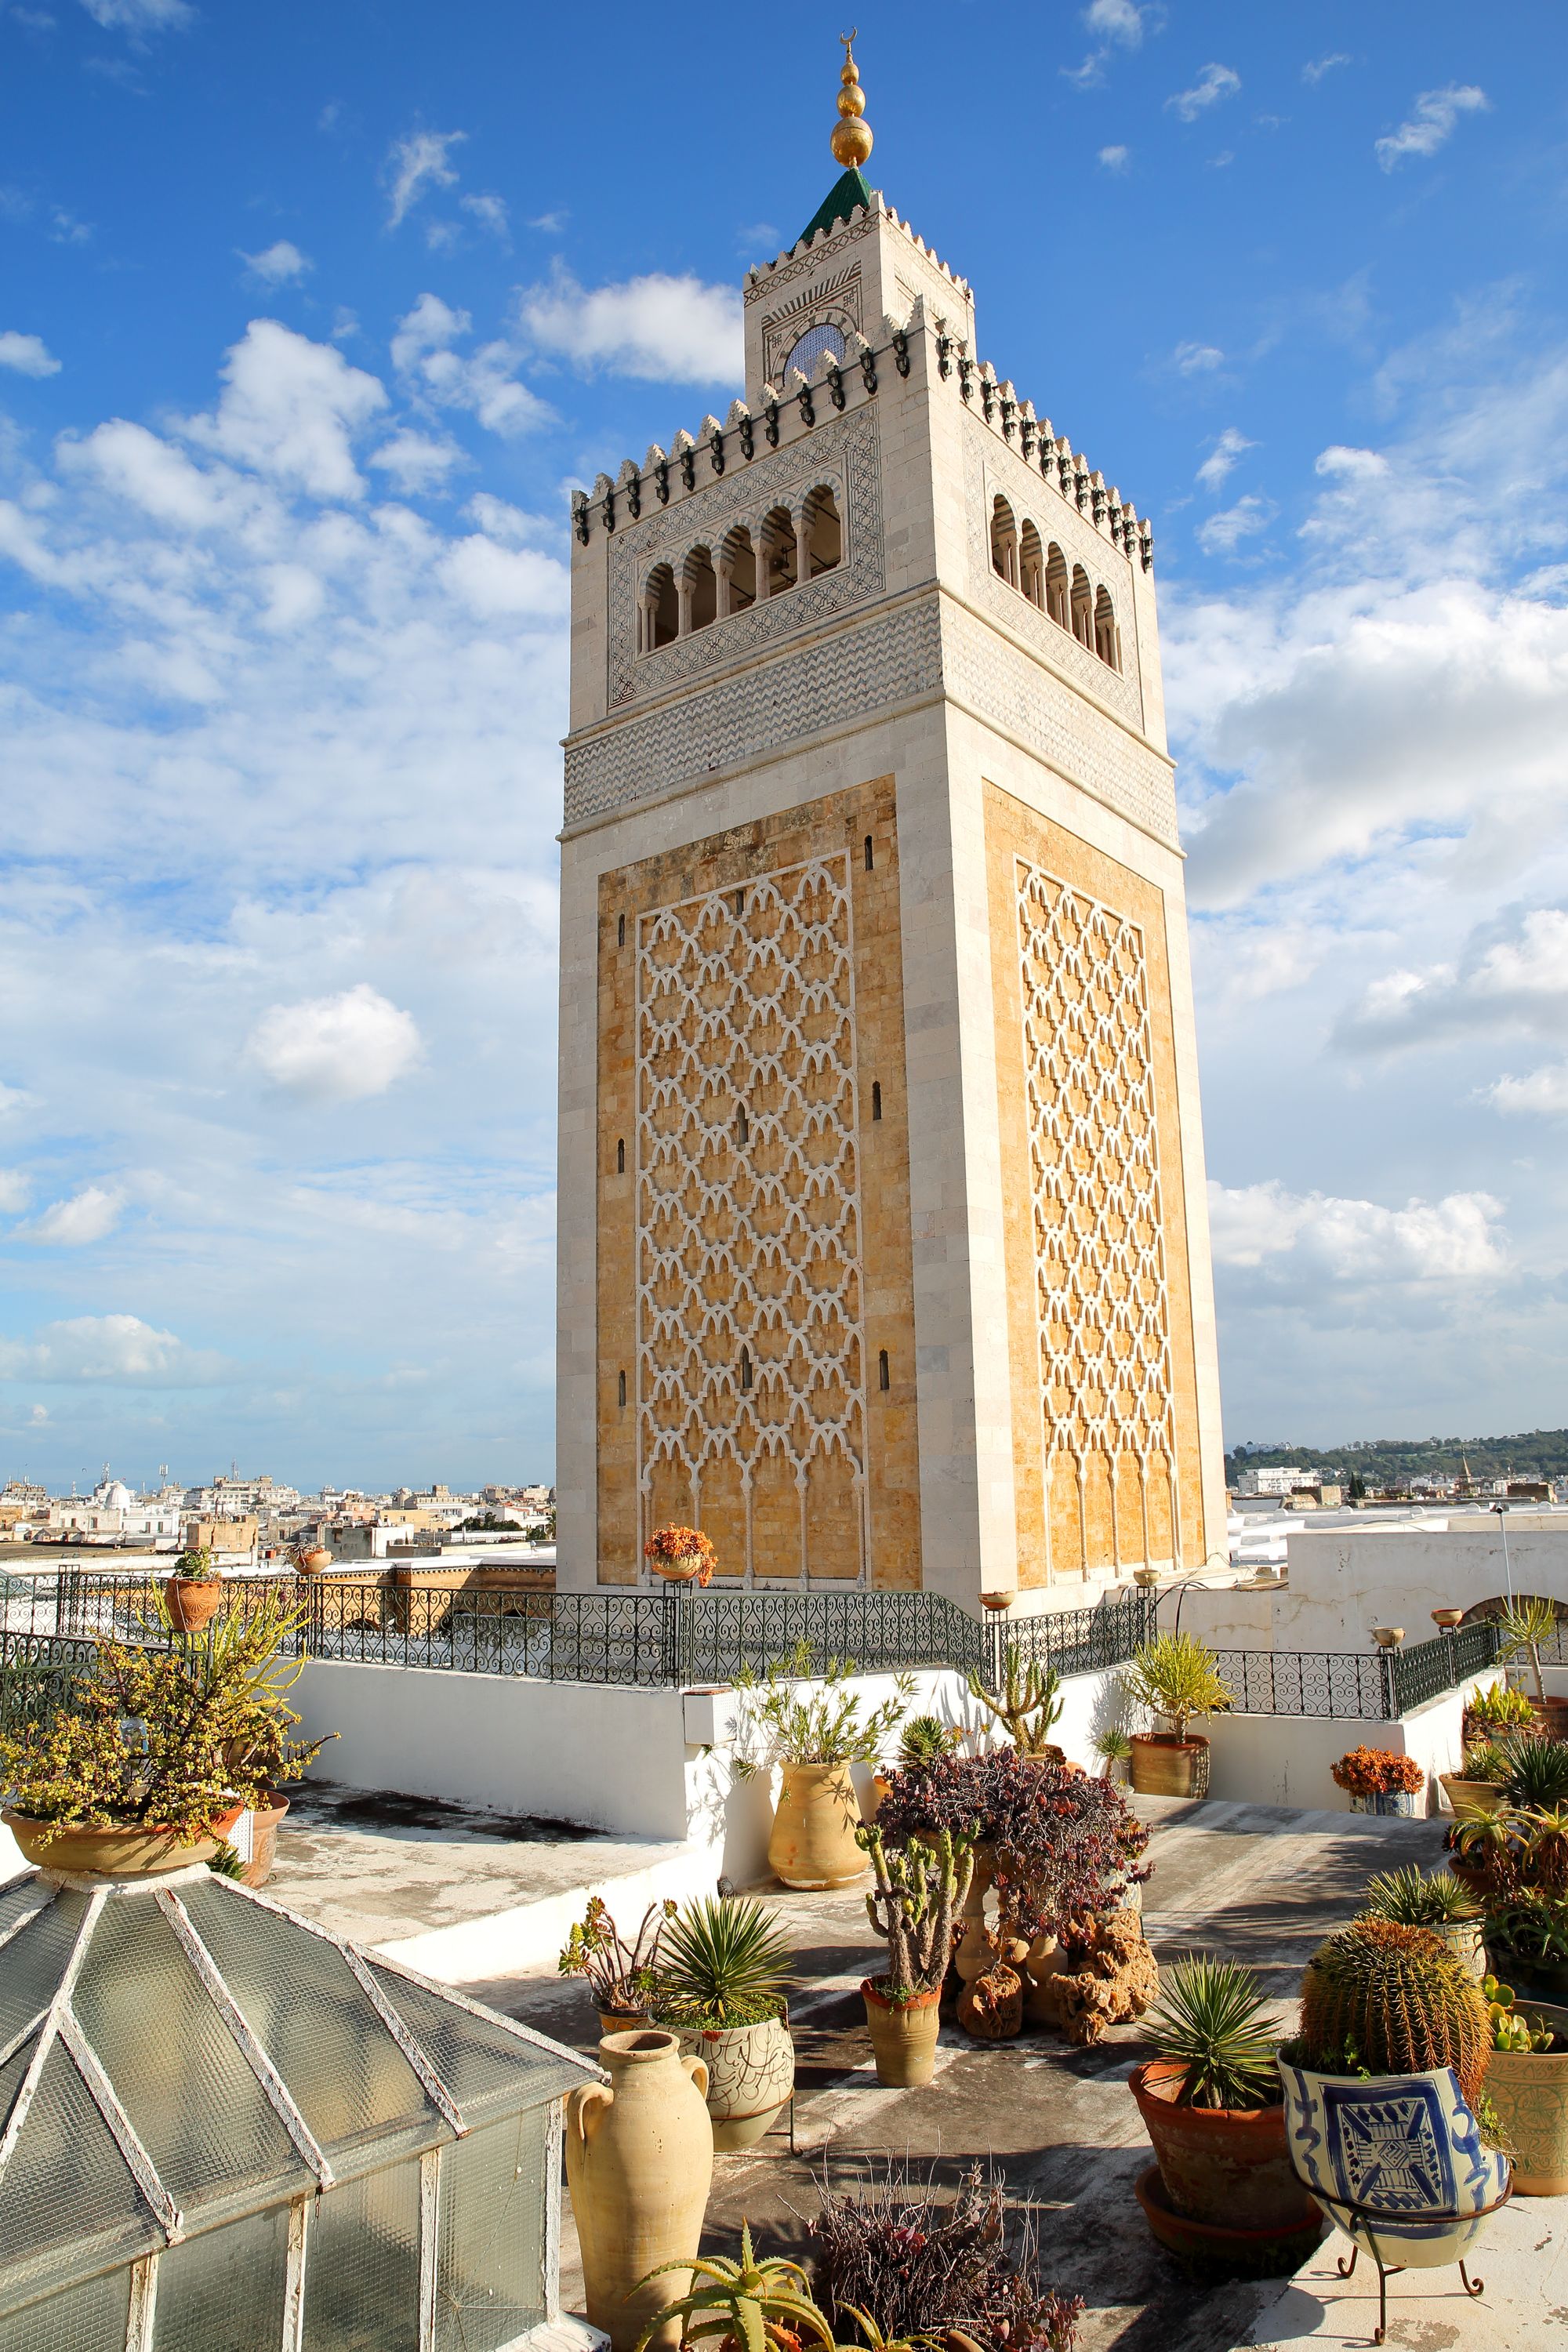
{"points": [[38, 1671]]}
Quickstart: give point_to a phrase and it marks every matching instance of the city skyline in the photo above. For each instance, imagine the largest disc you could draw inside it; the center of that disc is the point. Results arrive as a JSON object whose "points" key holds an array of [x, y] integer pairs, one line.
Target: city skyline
{"points": [[302, 348]]}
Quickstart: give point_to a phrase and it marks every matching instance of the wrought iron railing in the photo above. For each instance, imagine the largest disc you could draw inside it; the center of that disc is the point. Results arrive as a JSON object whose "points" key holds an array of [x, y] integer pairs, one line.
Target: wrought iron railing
{"points": [[38, 1673], [1425, 1669]]}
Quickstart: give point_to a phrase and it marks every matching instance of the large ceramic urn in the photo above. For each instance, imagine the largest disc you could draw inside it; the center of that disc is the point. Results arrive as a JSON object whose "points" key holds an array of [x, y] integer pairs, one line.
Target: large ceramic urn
{"points": [[639, 2160], [812, 1842]]}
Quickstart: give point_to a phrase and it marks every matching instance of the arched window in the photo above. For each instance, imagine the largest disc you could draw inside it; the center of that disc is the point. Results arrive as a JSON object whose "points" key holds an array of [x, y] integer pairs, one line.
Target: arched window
{"points": [[1082, 607], [1057, 603], [1106, 636], [737, 571], [778, 550], [804, 354], [699, 591], [1032, 566], [1003, 542], [824, 531], [659, 611]]}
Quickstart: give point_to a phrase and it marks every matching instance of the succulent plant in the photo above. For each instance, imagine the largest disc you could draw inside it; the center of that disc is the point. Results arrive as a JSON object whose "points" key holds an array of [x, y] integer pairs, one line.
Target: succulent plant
{"points": [[747, 2304], [925, 1739], [1394, 1996], [1538, 1774], [1030, 1703], [919, 1891], [1418, 1898], [1211, 2019], [724, 1964]]}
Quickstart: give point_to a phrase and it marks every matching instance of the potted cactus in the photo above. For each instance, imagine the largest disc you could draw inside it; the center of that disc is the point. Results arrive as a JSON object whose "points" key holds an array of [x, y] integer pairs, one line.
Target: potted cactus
{"points": [[919, 1892], [193, 1592], [1177, 1677], [1030, 1703], [1382, 2089], [1527, 2082]]}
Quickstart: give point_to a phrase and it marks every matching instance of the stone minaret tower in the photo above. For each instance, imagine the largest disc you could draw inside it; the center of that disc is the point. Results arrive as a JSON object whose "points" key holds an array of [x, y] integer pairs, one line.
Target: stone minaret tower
{"points": [[884, 1254]]}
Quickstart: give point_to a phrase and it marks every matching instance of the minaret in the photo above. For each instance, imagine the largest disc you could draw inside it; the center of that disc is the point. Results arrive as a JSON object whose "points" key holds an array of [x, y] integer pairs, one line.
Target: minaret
{"points": [[883, 1249]]}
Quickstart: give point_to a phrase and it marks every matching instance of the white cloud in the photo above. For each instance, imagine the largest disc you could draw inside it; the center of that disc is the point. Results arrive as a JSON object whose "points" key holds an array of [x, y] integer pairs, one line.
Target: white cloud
{"points": [[416, 164], [140, 16], [492, 580], [1314, 73], [13, 1099], [27, 355], [1544, 1094], [1197, 359], [16, 1192], [483, 381], [1214, 83], [117, 1348], [1224, 532], [280, 265], [1455, 1239], [87, 1216], [1512, 975], [490, 211], [1116, 20], [1355, 465], [290, 408], [416, 463], [1222, 457], [338, 1048], [669, 329], [1437, 112], [1114, 158]]}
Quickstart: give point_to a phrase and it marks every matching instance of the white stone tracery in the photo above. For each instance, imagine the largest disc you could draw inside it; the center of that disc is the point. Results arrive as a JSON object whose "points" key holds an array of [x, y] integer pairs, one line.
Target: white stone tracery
{"points": [[749, 1340], [1100, 1252]]}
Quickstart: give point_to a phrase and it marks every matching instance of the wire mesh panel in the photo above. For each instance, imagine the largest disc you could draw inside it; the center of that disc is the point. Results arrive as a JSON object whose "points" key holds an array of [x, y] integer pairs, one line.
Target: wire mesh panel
{"points": [[91, 2316], [70, 2204], [225, 2288], [490, 2286], [361, 2270]]}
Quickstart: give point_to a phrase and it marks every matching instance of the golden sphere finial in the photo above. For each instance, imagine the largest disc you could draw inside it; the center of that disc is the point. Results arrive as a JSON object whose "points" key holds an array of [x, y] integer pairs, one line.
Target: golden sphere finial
{"points": [[851, 140]]}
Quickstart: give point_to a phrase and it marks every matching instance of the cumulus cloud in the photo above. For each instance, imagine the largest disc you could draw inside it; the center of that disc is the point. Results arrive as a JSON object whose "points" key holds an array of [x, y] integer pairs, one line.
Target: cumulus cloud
{"points": [[1222, 457], [1431, 123], [483, 381], [338, 1048], [292, 408], [280, 265], [1513, 975], [117, 1349], [1214, 83], [1350, 465], [1113, 159], [1222, 534], [27, 355], [416, 163], [669, 330], [1196, 359], [86, 1216], [1544, 1094], [416, 463], [16, 1192], [1455, 1239]]}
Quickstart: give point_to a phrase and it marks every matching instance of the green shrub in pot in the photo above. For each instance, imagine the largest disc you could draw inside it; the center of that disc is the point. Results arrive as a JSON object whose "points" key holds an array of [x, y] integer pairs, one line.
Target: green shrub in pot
{"points": [[721, 1983]]}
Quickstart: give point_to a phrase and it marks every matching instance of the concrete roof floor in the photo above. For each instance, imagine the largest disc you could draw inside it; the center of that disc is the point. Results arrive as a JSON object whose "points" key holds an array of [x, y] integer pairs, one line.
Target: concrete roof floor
{"points": [[1258, 1881]]}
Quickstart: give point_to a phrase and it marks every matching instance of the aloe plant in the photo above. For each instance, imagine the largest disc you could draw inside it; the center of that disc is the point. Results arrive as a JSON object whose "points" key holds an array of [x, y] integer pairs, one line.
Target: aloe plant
{"points": [[750, 2304]]}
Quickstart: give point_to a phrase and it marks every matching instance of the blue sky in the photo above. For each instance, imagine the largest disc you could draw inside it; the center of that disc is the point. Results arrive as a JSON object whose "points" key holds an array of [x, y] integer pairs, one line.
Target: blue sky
{"points": [[309, 319]]}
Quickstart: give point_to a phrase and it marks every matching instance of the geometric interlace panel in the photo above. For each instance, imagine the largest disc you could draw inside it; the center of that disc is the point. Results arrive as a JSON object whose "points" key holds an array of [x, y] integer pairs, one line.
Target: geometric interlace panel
{"points": [[750, 1409], [1099, 1258]]}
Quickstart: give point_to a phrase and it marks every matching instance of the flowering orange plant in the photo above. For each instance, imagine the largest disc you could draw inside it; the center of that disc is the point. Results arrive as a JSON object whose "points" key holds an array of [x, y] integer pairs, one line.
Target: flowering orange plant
{"points": [[1377, 1772], [671, 1549]]}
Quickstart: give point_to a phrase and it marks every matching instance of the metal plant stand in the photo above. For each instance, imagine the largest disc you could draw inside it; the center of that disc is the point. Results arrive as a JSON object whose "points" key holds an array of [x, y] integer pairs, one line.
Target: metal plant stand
{"points": [[1370, 2215]]}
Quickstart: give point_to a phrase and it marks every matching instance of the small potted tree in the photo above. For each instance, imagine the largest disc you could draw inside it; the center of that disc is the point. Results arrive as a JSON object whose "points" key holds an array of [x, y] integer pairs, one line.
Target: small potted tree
{"points": [[721, 1986], [815, 1735], [620, 1975], [1525, 1627], [193, 1592], [1211, 2105], [1379, 1780], [919, 1891], [1175, 1676]]}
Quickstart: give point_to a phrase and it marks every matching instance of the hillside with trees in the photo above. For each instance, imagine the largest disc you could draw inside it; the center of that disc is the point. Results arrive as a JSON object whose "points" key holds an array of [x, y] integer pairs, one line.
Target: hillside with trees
{"points": [[1385, 1461]]}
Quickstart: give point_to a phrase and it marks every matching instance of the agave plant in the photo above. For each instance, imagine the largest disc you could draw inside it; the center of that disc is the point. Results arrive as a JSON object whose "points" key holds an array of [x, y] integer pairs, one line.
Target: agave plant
{"points": [[750, 2305], [1417, 1898], [723, 1964], [1538, 1774], [925, 1739], [1210, 2019]]}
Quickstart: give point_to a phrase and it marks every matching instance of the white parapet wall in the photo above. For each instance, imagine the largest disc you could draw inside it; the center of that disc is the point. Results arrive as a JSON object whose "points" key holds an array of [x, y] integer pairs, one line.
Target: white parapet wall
{"points": [[1288, 1759]]}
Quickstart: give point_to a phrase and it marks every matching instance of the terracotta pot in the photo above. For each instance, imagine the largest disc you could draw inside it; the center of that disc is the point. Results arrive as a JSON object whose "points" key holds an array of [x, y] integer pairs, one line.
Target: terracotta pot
{"points": [[1530, 2091], [812, 1842], [265, 1823], [1163, 1766], [903, 2036], [192, 1600], [1551, 1715], [623, 2021], [1470, 1799], [1041, 2006], [639, 2160], [311, 1563], [1229, 2168], [751, 2074], [121, 1853], [871, 1803], [1267, 2254]]}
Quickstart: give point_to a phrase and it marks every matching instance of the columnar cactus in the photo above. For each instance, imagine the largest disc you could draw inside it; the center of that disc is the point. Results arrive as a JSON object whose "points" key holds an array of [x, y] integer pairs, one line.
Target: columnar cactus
{"points": [[920, 1889], [1392, 1999], [1030, 1703]]}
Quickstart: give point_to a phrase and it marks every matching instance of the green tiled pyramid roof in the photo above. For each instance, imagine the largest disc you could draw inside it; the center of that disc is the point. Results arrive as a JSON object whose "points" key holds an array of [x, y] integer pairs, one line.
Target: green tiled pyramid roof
{"points": [[840, 201]]}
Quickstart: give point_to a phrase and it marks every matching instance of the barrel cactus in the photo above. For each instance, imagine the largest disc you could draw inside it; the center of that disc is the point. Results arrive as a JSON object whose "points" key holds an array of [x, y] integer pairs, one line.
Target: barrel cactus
{"points": [[1389, 1998]]}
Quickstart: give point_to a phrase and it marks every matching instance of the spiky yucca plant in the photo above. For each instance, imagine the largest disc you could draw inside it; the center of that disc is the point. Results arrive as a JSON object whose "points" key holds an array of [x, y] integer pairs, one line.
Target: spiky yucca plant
{"points": [[1210, 2018], [1392, 1995], [1538, 1774], [749, 2305], [724, 1964], [1418, 1898], [925, 1738]]}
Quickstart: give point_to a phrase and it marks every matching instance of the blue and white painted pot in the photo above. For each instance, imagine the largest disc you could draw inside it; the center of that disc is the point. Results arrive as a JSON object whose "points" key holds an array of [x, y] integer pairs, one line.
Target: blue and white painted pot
{"points": [[1397, 2161], [1388, 1800]]}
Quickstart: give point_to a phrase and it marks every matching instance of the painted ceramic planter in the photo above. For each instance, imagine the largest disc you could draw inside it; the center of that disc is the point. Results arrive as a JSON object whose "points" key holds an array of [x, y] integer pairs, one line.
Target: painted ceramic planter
{"points": [[1464, 1938], [1397, 2161], [903, 2036], [751, 2074], [1530, 2091], [1163, 1766], [1230, 2169], [1406, 1802], [639, 2161], [813, 1841]]}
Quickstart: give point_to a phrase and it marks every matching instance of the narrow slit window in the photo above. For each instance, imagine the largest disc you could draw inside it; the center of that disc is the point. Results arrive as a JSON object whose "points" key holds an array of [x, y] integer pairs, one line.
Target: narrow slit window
{"points": [[883, 1378], [620, 1155], [742, 1125], [621, 1379], [739, 902], [876, 1097], [620, 930], [745, 1368], [868, 859]]}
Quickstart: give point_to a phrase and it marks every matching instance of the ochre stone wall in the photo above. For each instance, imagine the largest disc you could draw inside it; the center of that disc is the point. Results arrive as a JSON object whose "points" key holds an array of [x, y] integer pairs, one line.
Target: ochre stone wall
{"points": [[1105, 1435], [753, 1214]]}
